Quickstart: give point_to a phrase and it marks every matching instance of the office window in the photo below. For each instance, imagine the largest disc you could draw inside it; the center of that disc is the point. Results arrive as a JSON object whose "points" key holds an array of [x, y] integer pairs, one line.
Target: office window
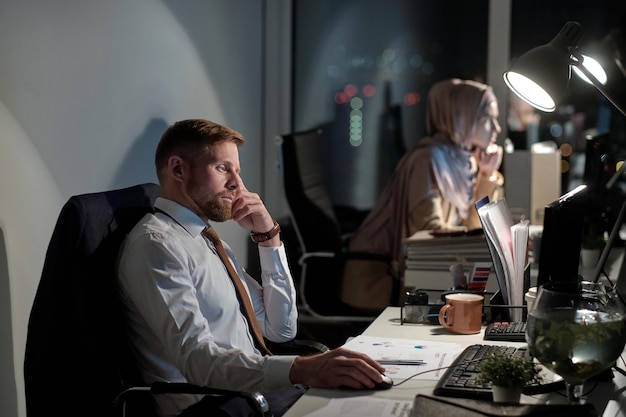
{"points": [[362, 69]]}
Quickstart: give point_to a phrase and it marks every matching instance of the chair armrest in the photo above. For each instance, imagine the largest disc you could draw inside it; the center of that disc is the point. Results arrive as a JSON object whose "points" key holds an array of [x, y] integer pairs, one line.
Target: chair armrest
{"points": [[315, 255], [256, 399], [345, 256], [297, 347], [345, 237]]}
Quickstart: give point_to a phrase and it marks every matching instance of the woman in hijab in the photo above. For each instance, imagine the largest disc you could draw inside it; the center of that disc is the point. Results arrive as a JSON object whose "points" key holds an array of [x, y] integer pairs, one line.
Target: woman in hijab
{"points": [[434, 186]]}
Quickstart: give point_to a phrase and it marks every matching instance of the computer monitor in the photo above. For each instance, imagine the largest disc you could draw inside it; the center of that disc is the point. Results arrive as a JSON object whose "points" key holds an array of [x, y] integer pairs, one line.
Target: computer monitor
{"points": [[562, 237]]}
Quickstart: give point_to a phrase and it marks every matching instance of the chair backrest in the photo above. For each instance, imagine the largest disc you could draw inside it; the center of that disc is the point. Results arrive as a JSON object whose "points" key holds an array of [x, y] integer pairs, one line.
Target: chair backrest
{"points": [[75, 347], [311, 210], [313, 218]]}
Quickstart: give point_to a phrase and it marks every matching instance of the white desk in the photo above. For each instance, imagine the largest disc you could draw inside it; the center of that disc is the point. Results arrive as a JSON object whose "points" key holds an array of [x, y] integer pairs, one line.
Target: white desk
{"points": [[388, 325]]}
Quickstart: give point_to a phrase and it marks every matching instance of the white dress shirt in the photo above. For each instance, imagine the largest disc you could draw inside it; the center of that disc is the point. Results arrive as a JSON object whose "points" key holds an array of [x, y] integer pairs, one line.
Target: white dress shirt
{"points": [[182, 312]]}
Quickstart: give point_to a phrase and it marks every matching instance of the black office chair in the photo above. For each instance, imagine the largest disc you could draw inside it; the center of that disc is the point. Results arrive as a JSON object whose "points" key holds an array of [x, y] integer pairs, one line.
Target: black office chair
{"points": [[77, 361], [322, 243]]}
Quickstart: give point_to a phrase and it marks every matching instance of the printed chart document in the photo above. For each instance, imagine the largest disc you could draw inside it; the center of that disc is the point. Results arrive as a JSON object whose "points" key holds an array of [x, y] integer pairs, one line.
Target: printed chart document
{"points": [[364, 407], [406, 358]]}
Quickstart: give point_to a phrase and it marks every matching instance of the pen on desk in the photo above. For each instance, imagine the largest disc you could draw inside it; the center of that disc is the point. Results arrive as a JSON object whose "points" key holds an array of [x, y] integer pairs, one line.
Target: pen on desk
{"points": [[416, 362]]}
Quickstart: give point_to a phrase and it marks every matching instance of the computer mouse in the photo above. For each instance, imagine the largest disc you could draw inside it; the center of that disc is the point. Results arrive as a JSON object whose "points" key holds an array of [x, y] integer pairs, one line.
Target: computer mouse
{"points": [[386, 383]]}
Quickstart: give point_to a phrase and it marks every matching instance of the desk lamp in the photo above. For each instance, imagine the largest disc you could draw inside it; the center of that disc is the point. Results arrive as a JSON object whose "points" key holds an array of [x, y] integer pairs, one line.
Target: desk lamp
{"points": [[540, 76]]}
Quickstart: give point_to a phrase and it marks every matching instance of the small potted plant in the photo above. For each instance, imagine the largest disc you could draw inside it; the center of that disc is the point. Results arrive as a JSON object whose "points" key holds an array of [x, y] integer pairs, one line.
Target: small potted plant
{"points": [[508, 376]]}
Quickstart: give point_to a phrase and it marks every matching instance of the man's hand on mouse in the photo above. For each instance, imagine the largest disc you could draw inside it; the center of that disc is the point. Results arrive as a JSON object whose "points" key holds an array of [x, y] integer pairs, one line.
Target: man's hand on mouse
{"points": [[337, 368]]}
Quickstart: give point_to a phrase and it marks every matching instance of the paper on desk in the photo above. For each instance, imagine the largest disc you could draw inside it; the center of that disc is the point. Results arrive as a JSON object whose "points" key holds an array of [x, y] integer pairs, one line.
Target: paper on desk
{"points": [[519, 233], [434, 355], [613, 409], [364, 406], [497, 221], [510, 244]]}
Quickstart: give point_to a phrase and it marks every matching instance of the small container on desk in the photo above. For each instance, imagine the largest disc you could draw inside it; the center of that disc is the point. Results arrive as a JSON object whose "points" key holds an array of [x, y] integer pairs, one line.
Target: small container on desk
{"points": [[416, 308]]}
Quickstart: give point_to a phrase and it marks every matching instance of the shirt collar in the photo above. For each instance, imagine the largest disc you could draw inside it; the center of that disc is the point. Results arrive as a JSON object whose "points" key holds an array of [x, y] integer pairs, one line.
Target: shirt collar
{"points": [[189, 220]]}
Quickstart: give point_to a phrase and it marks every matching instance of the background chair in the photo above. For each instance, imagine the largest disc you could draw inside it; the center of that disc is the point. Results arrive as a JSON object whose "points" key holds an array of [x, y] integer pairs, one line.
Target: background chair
{"points": [[77, 361], [322, 243]]}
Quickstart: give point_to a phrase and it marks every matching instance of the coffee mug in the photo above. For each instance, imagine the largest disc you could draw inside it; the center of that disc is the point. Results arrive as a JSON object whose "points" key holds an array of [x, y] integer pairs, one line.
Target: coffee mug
{"points": [[463, 313], [530, 296]]}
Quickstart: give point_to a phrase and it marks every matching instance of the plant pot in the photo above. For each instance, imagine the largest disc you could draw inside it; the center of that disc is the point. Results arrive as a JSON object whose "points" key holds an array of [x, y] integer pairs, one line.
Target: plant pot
{"points": [[509, 395], [589, 257]]}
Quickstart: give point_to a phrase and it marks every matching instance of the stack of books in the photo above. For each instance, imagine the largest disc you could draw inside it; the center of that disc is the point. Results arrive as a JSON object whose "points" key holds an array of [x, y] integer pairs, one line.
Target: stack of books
{"points": [[429, 255]]}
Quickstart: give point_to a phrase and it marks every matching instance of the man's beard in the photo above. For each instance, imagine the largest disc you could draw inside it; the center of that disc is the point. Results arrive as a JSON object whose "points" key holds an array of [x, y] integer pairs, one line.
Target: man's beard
{"points": [[216, 209], [213, 207]]}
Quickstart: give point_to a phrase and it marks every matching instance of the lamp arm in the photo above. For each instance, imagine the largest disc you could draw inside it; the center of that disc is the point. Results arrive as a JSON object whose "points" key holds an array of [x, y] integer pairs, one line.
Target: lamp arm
{"points": [[611, 182], [578, 62], [620, 65]]}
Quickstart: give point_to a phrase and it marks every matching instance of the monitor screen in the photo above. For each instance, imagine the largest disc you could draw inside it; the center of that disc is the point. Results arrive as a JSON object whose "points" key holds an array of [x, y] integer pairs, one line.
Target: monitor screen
{"points": [[562, 237]]}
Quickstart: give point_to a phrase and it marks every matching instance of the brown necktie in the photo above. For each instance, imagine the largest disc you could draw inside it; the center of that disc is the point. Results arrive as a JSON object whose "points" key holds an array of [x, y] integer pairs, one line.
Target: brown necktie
{"points": [[242, 295]]}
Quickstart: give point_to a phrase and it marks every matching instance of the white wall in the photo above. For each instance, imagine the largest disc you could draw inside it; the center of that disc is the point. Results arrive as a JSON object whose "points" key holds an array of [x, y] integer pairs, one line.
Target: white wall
{"points": [[86, 89]]}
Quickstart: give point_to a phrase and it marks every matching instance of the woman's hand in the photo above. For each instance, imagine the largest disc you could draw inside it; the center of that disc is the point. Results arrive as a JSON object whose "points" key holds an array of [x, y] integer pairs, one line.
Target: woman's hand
{"points": [[489, 160]]}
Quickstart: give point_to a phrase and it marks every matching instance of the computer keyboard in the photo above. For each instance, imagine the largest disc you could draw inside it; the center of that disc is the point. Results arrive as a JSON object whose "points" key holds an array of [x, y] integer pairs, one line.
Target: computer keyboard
{"points": [[506, 331], [459, 380]]}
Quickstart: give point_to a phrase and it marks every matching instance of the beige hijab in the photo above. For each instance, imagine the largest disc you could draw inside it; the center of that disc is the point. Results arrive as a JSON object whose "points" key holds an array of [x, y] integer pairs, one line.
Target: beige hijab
{"points": [[439, 159], [454, 107]]}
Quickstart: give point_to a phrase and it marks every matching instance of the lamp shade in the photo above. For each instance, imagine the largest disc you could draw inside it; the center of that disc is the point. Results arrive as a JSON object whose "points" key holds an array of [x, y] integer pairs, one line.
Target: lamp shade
{"points": [[541, 76], [594, 67]]}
